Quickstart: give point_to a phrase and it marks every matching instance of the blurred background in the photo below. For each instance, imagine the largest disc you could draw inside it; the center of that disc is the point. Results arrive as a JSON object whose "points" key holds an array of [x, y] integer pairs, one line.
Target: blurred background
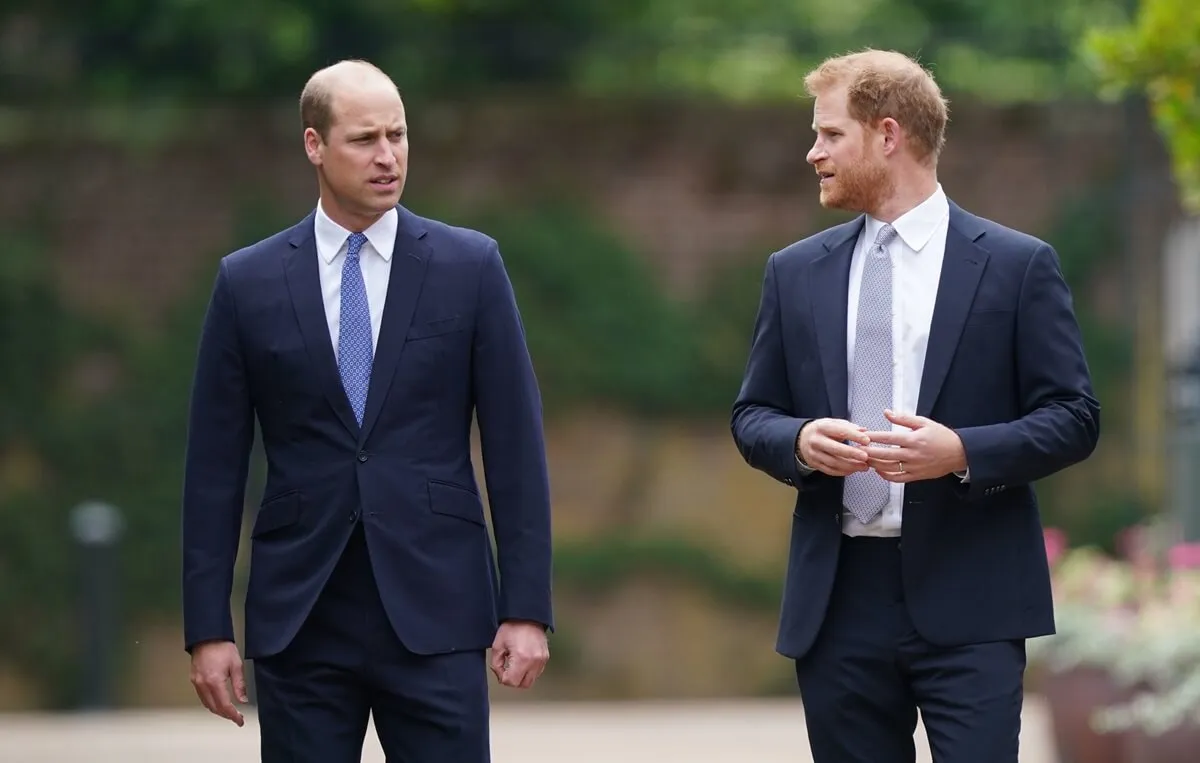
{"points": [[637, 162]]}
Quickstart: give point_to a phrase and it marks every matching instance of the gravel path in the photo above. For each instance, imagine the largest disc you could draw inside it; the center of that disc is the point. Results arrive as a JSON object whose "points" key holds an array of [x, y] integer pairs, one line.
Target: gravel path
{"points": [[699, 732]]}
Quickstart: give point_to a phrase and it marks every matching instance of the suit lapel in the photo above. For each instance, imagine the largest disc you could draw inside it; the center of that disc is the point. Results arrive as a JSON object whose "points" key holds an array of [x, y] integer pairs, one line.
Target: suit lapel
{"points": [[829, 287], [409, 260], [962, 267], [304, 285]]}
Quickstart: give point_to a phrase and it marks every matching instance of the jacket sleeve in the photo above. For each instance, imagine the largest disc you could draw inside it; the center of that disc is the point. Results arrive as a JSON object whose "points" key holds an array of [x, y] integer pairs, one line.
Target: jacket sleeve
{"points": [[509, 413], [765, 428], [219, 436], [1060, 425]]}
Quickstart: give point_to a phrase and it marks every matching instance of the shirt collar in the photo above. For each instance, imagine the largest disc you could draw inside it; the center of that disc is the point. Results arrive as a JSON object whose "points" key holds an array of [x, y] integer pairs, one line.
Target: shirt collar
{"points": [[916, 226], [331, 237]]}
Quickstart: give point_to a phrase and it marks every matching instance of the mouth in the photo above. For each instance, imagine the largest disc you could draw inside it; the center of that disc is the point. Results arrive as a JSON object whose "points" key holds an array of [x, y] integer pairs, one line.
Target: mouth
{"points": [[385, 182], [825, 176]]}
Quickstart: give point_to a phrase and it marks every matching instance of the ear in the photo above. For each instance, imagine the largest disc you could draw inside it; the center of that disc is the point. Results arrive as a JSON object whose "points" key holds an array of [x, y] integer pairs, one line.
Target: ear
{"points": [[313, 146], [889, 130]]}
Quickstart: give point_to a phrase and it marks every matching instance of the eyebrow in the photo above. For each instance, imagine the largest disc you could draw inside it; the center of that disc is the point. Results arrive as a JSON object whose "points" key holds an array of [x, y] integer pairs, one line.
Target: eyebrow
{"points": [[367, 133]]}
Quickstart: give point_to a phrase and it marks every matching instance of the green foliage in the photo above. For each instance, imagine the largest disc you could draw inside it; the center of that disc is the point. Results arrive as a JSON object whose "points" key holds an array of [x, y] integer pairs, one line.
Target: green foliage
{"points": [[183, 50], [754, 49], [598, 326], [120, 50], [40, 451], [1159, 53], [1085, 234]]}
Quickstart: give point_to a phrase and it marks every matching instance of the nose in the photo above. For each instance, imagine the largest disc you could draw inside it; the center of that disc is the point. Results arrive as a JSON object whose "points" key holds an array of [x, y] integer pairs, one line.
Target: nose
{"points": [[383, 150], [816, 153], [385, 156]]}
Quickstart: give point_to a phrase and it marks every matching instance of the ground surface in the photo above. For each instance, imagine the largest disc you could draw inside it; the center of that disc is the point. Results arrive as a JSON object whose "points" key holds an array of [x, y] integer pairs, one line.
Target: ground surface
{"points": [[702, 732]]}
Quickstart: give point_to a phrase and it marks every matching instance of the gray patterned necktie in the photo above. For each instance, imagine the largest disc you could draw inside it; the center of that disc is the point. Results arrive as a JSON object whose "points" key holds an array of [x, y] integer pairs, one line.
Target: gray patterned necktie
{"points": [[866, 493]]}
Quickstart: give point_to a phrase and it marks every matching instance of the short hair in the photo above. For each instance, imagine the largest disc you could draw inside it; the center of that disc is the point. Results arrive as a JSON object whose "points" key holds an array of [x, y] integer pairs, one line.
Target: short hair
{"points": [[316, 100], [881, 84]]}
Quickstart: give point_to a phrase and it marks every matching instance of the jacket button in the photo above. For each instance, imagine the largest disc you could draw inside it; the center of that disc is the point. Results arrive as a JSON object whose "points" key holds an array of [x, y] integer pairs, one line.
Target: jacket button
{"points": [[362, 456]]}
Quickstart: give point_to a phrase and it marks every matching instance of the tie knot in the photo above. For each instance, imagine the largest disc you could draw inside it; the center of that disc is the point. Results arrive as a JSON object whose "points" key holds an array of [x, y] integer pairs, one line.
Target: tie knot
{"points": [[354, 244], [885, 236]]}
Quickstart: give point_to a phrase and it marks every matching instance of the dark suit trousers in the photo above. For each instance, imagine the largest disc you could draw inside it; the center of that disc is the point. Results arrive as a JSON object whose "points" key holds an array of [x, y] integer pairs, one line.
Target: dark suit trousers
{"points": [[869, 672], [346, 664]]}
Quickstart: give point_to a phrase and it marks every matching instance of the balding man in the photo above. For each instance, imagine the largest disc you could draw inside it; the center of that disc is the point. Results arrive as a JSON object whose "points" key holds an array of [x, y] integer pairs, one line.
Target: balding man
{"points": [[363, 340]]}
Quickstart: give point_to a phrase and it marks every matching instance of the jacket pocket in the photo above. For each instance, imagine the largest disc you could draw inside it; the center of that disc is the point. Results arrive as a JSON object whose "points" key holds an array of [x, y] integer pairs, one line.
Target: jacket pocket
{"points": [[277, 513], [453, 500]]}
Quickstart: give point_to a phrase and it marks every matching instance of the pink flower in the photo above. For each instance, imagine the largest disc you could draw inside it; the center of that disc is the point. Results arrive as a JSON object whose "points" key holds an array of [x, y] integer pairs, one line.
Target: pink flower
{"points": [[1184, 556], [1056, 543], [1131, 543]]}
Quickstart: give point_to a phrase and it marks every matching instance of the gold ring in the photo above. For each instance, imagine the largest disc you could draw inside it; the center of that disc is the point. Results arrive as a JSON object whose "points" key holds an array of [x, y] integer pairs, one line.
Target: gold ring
{"points": [[901, 467]]}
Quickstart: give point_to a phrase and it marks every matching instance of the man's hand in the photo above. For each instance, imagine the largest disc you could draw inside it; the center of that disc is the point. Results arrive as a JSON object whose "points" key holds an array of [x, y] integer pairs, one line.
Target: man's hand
{"points": [[519, 653], [927, 451], [215, 666], [823, 446]]}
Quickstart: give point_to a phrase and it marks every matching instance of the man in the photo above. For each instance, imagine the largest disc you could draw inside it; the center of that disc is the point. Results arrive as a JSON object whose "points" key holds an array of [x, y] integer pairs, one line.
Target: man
{"points": [[363, 339], [912, 372]]}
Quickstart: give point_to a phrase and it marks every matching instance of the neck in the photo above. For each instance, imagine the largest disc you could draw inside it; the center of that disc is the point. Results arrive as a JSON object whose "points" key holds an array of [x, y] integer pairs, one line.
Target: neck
{"points": [[907, 193], [351, 221]]}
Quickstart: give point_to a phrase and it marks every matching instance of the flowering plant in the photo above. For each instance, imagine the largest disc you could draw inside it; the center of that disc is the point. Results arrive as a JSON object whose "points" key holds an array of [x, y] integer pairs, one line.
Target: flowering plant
{"points": [[1135, 617], [1161, 658]]}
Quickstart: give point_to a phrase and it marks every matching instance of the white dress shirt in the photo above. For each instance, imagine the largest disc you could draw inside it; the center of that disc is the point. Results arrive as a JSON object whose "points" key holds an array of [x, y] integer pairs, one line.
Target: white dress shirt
{"points": [[916, 255], [375, 259]]}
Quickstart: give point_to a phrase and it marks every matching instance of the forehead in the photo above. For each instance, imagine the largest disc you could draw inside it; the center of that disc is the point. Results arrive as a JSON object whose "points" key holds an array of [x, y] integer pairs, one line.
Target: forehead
{"points": [[830, 107], [366, 107]]}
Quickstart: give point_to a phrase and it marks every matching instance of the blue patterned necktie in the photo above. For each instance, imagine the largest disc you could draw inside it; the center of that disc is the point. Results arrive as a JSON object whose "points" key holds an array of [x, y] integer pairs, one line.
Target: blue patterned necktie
{"points": [[355, 348], [866, 493]]}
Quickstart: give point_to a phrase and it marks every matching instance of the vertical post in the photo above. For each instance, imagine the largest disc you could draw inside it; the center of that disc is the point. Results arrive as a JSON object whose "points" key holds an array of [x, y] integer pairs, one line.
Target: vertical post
{"points": [[97, 527], [1185, 446], [1181, 341]]}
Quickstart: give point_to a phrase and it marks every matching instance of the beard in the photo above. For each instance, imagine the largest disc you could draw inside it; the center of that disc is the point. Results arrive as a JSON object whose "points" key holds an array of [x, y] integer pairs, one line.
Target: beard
{"points": [[857, 187]]}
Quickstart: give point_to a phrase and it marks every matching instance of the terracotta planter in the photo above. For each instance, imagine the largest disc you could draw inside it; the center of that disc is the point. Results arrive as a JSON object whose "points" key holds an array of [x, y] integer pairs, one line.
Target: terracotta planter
{"points": [[1072, 697], [1180, 745]]}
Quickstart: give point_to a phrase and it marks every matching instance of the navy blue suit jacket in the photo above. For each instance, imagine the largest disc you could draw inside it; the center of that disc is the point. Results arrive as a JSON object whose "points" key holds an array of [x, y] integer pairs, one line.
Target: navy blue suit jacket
{"points": [[451, 347], [1004, 368]]}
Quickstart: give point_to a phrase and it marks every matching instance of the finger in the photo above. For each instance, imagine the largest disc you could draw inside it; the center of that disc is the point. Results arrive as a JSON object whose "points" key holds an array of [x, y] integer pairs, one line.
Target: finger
{"points": [[216, 700], [906, 419], [526, 676], [837, 467], [519, 668], [205, 697], [893, 453], [239, 684], [223, 702], [900, 477], [497, 663], [890, 437], [530, 679], [841, 430], [512, 675], [834, 450]]}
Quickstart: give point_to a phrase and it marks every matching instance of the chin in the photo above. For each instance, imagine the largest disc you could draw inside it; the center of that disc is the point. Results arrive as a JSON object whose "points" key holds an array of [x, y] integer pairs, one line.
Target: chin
{"points": [[833, 201], [381, 204]]}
